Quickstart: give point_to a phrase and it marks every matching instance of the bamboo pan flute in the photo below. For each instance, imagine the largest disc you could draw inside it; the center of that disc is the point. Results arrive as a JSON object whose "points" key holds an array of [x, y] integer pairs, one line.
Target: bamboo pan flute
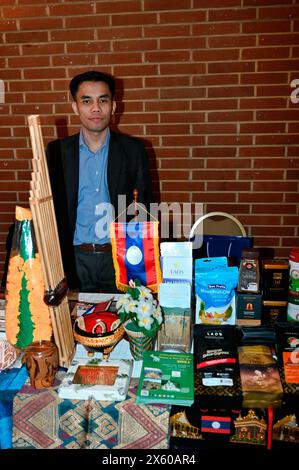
{"points": [[45, 228]]}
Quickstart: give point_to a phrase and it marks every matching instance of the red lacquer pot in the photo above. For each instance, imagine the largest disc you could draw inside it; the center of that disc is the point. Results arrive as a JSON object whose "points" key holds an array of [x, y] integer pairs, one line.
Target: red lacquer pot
{"points": [[98, 332]]}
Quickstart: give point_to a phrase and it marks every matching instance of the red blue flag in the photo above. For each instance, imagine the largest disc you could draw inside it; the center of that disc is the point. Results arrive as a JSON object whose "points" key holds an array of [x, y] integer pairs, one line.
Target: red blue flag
{"points": [[215, 424], [135, 251]]}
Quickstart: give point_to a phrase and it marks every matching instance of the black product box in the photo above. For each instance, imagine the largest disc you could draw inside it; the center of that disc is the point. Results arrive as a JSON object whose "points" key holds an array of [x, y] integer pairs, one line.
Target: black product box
{"points": [[249, 309], [209, 428], [216, 372], [275, 279], [218, 396], [285, 431], [273, 311]]}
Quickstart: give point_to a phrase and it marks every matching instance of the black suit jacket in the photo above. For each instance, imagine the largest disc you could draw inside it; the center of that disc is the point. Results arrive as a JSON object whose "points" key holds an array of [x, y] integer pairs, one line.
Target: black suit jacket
{"points": [[127, 169]]}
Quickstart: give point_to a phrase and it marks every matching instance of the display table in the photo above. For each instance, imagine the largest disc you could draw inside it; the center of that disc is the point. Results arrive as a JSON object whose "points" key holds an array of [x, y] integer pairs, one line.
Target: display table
{"points": [[42, 420]]}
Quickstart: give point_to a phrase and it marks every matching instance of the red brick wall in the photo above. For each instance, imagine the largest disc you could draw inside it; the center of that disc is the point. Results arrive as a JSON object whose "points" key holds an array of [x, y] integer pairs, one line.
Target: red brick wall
{"points": [[206, 83]]}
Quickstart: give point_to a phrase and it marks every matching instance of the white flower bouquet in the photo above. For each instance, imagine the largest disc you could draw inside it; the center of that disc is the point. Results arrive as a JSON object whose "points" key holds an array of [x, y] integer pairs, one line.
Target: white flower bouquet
{"points": [[139, 306]]}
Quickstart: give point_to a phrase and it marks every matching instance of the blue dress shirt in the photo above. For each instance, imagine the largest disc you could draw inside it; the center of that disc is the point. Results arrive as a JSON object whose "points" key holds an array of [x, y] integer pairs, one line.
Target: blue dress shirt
{"points": [[94, 210]]}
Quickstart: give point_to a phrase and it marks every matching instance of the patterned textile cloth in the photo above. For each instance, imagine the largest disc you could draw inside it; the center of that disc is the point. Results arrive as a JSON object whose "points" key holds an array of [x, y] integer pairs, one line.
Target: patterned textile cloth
{"points": [[35, 417], [88, 424], [41, 420], [8, 354], [142, 426]]}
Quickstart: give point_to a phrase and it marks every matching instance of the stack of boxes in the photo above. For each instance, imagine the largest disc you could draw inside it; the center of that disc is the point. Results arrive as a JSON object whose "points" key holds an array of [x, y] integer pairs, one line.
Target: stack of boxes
{"points": [[249, 297], [264, 302], [275, 284]]}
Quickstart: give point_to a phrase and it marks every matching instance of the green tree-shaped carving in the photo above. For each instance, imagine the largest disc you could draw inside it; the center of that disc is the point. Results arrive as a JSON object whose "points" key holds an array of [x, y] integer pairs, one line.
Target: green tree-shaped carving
{"points": [[26, 325]]}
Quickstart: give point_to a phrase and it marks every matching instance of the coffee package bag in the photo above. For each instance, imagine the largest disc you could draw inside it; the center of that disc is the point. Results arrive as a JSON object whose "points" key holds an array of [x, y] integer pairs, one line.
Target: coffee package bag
{"points": [[215, 354]]}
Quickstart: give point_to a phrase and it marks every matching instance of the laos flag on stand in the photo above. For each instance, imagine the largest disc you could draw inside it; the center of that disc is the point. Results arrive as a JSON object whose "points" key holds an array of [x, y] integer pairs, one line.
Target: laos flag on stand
{"points": [[135, 251]]}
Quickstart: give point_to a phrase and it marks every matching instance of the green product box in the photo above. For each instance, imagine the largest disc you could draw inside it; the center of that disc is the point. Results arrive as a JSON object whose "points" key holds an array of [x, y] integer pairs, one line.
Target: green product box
{"points": [[166, 377]]}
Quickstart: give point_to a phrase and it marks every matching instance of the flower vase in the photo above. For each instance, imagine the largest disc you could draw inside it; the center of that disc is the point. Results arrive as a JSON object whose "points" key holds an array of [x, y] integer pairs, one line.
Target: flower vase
{"points": [[138, 341]]}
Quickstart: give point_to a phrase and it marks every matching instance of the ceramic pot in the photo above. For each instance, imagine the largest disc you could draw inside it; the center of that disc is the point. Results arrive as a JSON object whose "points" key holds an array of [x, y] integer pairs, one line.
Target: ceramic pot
{"points": [[41, 359]]}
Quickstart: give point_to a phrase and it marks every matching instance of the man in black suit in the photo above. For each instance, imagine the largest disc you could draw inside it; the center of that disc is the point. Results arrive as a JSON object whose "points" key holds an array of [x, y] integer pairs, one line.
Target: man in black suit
{"points": [[88, 172]]}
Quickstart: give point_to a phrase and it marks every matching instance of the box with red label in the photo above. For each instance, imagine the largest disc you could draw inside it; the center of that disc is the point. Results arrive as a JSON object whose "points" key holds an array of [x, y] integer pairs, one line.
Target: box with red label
{"points": [[288, 350]]}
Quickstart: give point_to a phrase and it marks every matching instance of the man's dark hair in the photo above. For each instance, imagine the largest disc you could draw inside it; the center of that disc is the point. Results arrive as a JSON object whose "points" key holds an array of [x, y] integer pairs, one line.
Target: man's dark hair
{"points": [[92, 76]]}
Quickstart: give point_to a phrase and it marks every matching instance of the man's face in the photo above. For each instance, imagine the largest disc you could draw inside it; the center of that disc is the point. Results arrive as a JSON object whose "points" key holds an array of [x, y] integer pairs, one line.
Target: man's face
{"points": [[94, 106]]}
